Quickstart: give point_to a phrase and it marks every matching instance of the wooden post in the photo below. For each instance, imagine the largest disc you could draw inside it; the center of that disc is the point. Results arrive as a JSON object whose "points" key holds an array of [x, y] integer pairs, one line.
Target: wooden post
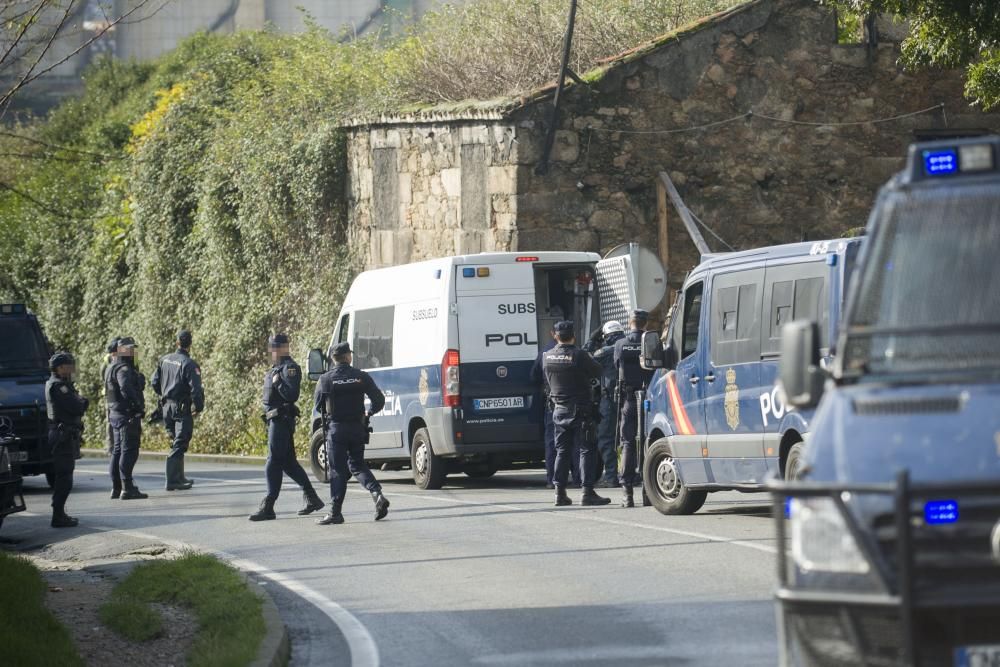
{"points": [[664, 227]]}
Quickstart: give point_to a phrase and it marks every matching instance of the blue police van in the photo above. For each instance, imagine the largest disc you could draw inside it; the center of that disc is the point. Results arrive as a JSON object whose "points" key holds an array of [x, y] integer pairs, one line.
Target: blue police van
{"points": [[893, 529], [24, 368], [714, 418]]}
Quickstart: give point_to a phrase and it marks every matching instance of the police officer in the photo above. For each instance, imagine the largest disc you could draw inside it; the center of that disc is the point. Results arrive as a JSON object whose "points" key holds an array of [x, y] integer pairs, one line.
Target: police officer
{"points": [[177, 380], [65, 408], [612, 332], [631, 378], [340, 398], [111, 354], [126, 407], [568, 372], [538, 378], [281, 390]]}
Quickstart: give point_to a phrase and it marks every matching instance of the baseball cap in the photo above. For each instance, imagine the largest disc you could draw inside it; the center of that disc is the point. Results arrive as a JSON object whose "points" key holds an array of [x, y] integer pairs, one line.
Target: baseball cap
{"points": [[112, 345], [127, 341], [61, 359], [277, 340], [564, 327]]}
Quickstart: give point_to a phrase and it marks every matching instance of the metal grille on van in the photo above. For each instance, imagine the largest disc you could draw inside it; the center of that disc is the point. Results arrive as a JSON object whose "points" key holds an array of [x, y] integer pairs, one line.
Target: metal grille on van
{"points": [[906, 406], [613, 286]]}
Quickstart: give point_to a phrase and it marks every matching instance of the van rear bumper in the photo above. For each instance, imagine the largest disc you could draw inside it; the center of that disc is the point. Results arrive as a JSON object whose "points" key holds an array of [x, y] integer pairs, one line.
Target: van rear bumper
{"points": [[515, 442]]}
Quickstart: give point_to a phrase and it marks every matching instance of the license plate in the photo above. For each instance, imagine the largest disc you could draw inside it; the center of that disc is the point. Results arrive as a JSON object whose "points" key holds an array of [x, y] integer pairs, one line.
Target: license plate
{"points": [[506, 403], [18, 457], [978, 656]]}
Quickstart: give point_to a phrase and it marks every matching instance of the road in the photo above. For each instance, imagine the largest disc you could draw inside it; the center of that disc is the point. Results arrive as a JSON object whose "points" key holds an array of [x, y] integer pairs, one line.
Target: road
{"points": [[478, 573]]}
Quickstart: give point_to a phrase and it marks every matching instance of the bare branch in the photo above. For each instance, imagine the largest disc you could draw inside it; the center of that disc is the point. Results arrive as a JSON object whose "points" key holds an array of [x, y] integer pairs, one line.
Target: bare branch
{"points": [[31, 75], [39, 142], [24, 28], [42, 206]]}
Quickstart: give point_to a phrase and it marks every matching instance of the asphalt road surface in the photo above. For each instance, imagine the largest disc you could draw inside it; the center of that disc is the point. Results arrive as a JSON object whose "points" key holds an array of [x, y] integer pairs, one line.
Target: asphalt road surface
{"points": [[479, 573]]}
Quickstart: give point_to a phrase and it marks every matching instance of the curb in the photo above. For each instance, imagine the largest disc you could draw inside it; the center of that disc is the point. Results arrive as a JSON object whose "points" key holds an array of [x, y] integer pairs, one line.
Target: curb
{"points": [[275, 647], [203, 458]]}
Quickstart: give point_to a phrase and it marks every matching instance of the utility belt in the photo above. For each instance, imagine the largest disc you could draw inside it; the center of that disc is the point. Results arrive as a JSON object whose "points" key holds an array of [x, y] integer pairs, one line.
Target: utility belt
{"points": [[69, 435], [288, 410]]}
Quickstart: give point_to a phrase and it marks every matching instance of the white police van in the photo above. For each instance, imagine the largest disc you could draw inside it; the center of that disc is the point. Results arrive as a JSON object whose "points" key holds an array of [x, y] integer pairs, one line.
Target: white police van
{"points": [[451, 343]]}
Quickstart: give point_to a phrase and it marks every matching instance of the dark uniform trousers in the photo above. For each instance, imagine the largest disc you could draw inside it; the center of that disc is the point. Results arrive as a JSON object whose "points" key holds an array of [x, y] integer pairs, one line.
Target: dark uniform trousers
{"points": [[345, 450], [606, 437], [570, 428], [629, 427], [65, 451], [179, 423], [127, 434], [281, 456]]}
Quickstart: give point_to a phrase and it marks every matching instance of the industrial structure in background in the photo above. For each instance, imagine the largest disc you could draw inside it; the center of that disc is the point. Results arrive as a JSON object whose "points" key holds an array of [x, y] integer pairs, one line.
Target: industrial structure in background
{"points": [[153, 27]]}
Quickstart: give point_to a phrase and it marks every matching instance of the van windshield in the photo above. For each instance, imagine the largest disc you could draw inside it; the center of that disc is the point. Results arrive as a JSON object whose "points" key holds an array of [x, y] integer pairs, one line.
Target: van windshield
{"points": [[929, 297], [21, 346]]}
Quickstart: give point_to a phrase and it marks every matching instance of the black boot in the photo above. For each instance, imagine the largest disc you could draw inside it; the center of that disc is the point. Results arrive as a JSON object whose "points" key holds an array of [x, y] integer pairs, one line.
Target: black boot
{"points": [[312, 501], [116, 490], [62, 520], [335, 516], [381, 505], [591, 498], [627, 500], [561, 498], [184, 477], [132, 492], [175, 478], [266, 511]]}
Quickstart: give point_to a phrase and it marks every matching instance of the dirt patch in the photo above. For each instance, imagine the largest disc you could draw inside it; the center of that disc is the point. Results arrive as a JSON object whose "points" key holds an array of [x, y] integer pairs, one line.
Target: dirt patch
{"points": [[75, 596]]}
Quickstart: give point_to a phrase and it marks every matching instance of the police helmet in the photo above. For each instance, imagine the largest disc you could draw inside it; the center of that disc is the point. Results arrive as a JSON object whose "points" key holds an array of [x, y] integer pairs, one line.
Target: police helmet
{"points": [[614, 326], [61, 359]]}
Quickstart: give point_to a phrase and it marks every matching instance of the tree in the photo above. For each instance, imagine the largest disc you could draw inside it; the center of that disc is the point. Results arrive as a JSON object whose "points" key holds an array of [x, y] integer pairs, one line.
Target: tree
{"points": [[37, 36], [949, 34]]}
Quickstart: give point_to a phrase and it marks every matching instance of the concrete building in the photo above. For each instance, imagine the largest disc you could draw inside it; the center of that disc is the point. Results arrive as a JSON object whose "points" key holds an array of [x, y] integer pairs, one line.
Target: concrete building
{"points": [[770, 129]]}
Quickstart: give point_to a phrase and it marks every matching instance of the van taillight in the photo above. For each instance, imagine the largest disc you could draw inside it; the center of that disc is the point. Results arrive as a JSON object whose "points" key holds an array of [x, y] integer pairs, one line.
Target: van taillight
{"points": [[450, 386]]}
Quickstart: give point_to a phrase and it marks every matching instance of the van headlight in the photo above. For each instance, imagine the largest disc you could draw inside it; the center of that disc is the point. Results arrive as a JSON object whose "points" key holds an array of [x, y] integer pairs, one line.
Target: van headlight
{"points": [[821, 540]]}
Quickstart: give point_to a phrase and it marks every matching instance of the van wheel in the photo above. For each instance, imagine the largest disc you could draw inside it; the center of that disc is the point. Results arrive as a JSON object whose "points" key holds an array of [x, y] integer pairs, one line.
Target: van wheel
{"points": [[429, 469], [663, 485], [317, 457], [794, 462]]}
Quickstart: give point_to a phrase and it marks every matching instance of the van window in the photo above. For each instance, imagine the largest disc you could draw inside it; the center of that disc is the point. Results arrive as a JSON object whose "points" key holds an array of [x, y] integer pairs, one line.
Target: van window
{"points": [[345, 325], [692, 319], [373, 337], [736, 317], [797, 292]]}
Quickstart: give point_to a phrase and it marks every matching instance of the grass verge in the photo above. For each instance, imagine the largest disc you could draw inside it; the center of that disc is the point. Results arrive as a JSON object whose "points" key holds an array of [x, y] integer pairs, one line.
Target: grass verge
{"points": [[133, 620], [230, 622], [29, 634]]}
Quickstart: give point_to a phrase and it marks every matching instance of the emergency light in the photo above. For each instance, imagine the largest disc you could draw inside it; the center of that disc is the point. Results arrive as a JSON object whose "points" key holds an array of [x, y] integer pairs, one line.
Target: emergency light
{"points": [[526, 258], [941, 511], [967, 159]]}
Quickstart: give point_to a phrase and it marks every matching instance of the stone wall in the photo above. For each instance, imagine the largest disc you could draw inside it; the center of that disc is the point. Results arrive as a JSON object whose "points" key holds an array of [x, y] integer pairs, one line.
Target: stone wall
{"points": [[431, 190], [755, 181]]}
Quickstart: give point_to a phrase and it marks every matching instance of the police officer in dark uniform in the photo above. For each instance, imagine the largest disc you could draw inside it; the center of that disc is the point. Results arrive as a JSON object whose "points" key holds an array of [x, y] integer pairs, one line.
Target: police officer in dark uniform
{"points": [[111, 354], [631, 378], [177, 380], [126, 407], [604, 354], [340, 398], [65, 408], [281, 390], [568, 372]]}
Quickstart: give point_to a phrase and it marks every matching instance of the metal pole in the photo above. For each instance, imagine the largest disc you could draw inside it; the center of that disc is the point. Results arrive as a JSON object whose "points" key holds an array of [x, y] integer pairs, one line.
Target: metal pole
{"points": [[550, 134]]}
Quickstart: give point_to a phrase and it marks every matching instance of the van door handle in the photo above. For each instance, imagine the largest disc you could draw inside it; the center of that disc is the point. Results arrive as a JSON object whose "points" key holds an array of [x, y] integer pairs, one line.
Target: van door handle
{"points": [[710, 377], [694, 379]]}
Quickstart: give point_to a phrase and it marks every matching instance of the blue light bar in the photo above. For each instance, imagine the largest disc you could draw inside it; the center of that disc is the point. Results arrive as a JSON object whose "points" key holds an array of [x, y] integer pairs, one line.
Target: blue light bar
{"points": [[941, 511], [941, 163], [469, 272]]}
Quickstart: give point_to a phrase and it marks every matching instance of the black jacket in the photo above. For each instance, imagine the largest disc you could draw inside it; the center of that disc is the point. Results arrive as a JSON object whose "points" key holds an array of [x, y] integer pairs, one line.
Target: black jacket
{"points": [[63, 404], [568, 371], [178, 378], [340, 394], [124, 386]]}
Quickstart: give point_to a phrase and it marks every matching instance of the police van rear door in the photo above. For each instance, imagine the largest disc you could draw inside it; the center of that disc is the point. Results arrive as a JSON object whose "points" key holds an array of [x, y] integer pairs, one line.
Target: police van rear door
{"points": [[498, 342]]}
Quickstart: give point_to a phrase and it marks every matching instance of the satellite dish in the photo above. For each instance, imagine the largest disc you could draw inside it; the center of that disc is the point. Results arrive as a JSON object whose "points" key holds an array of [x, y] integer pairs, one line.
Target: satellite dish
{"points": [[647, 271]]}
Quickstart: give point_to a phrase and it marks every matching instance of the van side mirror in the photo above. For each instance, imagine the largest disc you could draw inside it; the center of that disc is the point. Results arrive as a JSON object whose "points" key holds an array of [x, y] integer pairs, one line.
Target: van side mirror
{"points": [[799, 370], [317, 364], [651, 355]]}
